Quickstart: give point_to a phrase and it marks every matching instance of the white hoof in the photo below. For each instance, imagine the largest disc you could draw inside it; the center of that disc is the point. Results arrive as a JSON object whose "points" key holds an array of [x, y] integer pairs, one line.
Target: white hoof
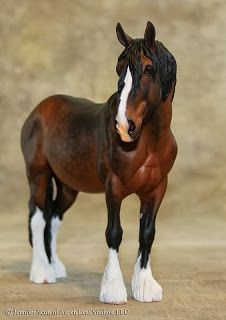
{"points": [[144, 287], [42, 272], [113, 291], [59, 269]]}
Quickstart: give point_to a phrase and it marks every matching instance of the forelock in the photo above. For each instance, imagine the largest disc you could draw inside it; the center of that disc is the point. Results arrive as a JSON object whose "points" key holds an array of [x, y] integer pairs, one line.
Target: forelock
{"points": [[132, 55]]}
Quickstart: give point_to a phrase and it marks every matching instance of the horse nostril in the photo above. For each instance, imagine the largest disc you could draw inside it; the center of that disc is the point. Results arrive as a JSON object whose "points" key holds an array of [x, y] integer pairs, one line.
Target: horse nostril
{"points": [[116, 124], [132, 127]]}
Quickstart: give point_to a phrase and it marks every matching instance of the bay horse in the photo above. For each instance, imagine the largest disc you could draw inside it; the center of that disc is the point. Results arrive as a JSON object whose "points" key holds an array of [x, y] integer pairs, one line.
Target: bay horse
{"points": [[120, 147]]}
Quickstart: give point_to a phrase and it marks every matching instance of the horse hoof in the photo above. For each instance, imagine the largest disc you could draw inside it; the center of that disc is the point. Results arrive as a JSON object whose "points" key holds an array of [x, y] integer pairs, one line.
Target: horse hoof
{"points": [[42, 272], [113, 291], [145, 288], [59, 269]]}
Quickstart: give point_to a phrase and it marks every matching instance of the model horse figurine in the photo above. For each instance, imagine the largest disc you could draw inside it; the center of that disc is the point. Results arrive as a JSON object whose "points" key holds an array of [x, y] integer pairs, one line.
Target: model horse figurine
{"points": [[120, 147]]}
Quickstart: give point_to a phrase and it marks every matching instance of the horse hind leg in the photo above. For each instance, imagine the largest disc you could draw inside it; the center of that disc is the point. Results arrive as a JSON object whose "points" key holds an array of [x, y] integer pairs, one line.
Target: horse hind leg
{"points": [[39, 224], [64, 199]]}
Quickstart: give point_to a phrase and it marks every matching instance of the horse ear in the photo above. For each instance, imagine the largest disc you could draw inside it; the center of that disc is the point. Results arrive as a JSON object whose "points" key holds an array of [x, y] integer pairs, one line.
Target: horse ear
{"points": [[123, 38], [149, 35]]}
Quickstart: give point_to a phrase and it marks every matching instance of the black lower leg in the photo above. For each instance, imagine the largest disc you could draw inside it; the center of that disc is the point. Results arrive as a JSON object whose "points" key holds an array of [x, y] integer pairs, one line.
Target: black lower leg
{"points": [[31, 207], [114, 230], [47, 239], [48, 212], [147, 232]]}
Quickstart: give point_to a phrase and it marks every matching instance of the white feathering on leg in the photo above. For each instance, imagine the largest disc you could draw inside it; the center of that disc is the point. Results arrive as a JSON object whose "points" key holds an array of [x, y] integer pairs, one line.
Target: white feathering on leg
{"points": [[56, 263], [41, 271], [144, 287], [113, 289]]}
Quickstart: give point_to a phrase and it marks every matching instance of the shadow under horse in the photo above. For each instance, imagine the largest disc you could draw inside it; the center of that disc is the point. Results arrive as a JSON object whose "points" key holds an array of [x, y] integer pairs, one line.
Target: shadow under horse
{"points": [[120, 147]]}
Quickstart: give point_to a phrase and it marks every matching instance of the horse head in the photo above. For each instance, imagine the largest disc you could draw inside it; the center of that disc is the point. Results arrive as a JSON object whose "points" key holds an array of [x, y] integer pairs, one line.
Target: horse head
{"points": [[146, 70]]}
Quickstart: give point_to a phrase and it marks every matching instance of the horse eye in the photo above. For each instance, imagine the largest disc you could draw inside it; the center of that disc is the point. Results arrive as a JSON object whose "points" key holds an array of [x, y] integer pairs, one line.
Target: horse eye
{"points": [[149, 69]]}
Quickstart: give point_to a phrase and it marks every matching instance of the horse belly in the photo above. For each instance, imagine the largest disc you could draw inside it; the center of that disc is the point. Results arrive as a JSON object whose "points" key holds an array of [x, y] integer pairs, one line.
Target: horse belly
{"points": [[78, 176], [74, 163]]}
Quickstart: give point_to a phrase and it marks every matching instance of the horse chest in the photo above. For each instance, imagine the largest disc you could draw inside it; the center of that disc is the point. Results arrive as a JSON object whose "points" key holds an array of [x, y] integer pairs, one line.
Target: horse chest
{"points": [[144, 174], [148, 176], [144, 177]]}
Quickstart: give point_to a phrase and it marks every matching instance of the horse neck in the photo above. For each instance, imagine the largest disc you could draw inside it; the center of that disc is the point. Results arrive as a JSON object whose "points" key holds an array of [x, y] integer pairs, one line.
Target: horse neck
{"points": [[109, 113], [161, 119], [159, 123]]}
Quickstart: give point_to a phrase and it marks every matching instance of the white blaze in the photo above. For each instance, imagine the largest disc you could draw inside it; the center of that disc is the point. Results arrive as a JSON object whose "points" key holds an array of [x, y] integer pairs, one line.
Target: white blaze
{"points": [[121, 115]]}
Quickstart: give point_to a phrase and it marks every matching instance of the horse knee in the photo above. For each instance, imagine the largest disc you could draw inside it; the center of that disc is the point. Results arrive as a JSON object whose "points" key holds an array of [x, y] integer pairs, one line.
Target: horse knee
{"points": [[114, 236]]}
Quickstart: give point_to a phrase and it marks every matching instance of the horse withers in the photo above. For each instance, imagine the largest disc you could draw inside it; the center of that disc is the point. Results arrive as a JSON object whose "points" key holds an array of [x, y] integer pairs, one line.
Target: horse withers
{"points": [[120, 147]]}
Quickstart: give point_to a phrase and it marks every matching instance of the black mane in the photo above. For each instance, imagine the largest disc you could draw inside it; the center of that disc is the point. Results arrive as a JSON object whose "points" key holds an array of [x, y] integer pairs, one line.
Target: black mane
{"points": [[167, 69]]}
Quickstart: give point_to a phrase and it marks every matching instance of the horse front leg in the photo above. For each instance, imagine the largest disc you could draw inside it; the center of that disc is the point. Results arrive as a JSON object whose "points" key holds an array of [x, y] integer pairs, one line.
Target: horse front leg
{"points": [[113, 289], [144, 287]]}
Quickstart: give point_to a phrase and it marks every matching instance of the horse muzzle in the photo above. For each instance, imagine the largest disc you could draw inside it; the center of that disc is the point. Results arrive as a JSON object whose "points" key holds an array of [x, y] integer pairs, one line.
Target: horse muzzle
{"points": [[128, 132]]}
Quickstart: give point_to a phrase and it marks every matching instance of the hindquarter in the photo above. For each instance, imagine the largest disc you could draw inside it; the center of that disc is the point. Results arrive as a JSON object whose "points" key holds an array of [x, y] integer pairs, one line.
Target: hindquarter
{"points": [[69, 139]]}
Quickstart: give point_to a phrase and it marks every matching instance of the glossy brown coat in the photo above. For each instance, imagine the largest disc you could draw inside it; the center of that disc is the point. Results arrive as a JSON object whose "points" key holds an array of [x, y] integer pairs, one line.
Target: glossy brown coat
{"points": [[82, 147], [64, 136]]}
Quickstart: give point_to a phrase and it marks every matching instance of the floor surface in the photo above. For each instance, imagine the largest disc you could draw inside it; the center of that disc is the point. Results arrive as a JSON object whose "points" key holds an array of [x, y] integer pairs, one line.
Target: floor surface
{"points": [[71, 47], [188, 261]]}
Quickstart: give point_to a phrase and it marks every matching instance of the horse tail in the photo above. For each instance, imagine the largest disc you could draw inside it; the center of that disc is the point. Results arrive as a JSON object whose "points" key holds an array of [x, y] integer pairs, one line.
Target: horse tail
{"points": [[48, 213]]}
